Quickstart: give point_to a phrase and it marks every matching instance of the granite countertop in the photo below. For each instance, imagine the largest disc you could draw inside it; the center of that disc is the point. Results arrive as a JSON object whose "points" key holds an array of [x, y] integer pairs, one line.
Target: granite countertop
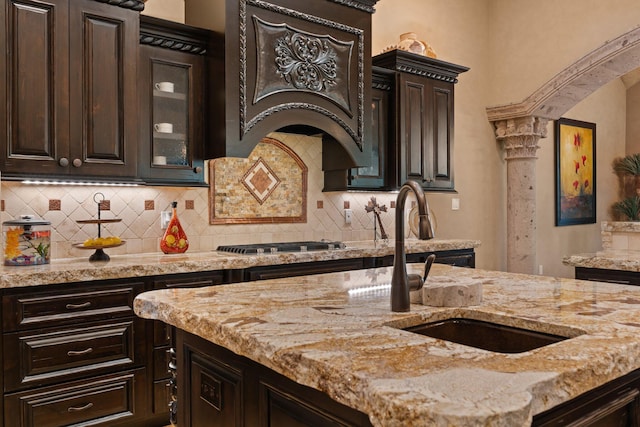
{"points": [[610, 259], [312, 330], [123, 266]]}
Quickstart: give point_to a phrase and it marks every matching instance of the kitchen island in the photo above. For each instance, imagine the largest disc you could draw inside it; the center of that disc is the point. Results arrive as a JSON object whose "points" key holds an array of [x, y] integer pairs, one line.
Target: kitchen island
{"points": [[336, 333]]}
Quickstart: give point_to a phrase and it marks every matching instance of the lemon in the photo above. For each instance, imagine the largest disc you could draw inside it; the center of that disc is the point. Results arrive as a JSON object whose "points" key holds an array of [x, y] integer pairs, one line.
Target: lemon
{"points": [[171, 240], [182, 243]]}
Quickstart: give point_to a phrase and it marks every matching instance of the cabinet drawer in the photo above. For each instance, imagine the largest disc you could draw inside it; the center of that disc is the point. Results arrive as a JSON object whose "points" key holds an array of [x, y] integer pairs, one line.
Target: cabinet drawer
{"points": [[161, 397], [102, 401], [35, 359], [301, 269], [161, 333], [190, 280], [68, 306], [161, 357]]}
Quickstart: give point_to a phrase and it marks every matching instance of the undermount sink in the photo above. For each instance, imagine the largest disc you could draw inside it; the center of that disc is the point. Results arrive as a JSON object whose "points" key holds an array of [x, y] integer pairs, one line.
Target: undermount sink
{"points": [[486, 335]]}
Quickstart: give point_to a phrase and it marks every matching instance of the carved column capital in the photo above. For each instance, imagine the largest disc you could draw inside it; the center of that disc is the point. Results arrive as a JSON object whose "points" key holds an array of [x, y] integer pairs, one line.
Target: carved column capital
{"points": [[519, 136]]}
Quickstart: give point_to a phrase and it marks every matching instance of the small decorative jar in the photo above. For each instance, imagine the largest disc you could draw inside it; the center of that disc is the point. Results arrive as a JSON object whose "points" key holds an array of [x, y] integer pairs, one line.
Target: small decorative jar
{"points": [[410, 43], [27, 241]]}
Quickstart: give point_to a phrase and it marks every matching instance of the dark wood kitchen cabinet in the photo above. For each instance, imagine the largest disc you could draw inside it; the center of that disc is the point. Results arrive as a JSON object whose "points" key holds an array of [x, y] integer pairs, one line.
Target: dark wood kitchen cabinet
{"points": [[163, 360], [456, 257], [69, 88], [218, 387], [620, 277], [424, 119], [76, 354], [376, 176], [177, 62], [616, 403], [302, 269]]}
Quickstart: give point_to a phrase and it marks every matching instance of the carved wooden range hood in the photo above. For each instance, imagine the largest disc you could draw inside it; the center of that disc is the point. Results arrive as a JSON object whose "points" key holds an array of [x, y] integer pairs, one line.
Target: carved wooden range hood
{"points": [[296, 65]]}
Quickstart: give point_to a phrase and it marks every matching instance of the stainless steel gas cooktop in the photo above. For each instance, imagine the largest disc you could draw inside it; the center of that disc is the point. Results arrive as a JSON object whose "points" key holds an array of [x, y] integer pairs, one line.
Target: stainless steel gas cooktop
{"points": [[266, 248]]}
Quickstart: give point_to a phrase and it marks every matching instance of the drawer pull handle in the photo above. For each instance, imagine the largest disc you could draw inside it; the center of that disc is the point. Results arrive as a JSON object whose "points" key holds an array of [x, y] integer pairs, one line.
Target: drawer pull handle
{"points": [[78, 306], [79, 352], [80, 408]]}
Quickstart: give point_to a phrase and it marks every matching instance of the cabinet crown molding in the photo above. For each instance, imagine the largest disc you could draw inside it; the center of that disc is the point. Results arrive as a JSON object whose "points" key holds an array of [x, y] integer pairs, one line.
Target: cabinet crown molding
{"points": [[420, 65], [137, 5], [170, 35]]}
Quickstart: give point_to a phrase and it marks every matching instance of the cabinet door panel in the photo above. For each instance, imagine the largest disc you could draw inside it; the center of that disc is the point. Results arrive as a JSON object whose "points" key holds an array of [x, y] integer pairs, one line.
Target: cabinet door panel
{"points": [[440, 141], [415, 130], [215, 395], [103, 92], [374, 176], [37, 66], [103, 74]]}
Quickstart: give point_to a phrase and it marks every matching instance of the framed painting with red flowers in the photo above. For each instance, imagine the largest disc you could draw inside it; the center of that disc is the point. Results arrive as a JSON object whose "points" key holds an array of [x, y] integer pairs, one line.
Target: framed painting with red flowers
{"points": [[575, 172]]}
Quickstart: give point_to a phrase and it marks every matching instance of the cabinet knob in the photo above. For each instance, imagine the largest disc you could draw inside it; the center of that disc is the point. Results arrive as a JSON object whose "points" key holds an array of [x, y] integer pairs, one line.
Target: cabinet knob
{"points": [[197, 169], [77, 163], [64, 162]]}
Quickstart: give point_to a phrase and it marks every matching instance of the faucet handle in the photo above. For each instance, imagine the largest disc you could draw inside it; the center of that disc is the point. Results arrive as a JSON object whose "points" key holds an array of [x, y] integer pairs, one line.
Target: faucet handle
{"points": [[415, 281], [427, 266]]}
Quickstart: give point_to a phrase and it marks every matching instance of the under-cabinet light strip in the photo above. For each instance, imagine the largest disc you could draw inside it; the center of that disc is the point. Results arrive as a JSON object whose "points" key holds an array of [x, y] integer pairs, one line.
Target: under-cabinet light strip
{"points": [[100, 184]]}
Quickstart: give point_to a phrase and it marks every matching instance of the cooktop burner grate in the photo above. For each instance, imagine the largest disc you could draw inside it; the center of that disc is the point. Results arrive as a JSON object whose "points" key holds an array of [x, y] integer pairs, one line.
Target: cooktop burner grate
{"points": [[266, 248]]}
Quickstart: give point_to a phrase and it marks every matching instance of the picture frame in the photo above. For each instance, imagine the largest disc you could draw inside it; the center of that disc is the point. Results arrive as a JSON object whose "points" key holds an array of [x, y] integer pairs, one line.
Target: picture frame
{"points": [[575, 158]]}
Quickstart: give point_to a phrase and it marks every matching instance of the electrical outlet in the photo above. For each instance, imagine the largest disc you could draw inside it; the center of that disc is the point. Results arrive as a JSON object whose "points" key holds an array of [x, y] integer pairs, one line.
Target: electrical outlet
{"points": [[348, 213], [455, 204], [165, 217]]}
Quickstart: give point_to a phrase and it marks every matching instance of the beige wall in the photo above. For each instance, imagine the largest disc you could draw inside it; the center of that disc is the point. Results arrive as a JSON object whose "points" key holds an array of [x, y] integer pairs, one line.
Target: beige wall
{"points": [[633, 124], [172, 10], [533, 40]]}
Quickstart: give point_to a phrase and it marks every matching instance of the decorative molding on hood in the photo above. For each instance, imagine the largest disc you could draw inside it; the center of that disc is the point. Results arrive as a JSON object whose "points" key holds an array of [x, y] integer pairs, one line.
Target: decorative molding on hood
{"points": [[366, 5]]}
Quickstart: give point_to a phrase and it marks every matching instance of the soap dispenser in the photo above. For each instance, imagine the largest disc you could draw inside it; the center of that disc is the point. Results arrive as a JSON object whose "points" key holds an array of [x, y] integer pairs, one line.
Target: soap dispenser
{"points": [[174, 240]]}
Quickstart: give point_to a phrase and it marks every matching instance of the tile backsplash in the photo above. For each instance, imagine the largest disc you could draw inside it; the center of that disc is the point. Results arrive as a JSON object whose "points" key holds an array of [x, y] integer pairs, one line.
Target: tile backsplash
{"points": [[139, 210]]}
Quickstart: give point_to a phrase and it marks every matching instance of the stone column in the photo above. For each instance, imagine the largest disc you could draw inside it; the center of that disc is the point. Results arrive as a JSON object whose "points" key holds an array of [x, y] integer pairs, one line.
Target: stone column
{"points": [[519, 137]]}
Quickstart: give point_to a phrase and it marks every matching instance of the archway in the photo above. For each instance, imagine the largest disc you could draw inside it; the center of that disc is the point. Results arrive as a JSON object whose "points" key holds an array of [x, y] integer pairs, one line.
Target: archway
{"points": [[519, 127]]}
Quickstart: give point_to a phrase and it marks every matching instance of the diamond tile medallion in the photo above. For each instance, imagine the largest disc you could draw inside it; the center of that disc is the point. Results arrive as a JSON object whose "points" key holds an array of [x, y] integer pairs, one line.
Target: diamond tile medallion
{"points": [[260, 180]]}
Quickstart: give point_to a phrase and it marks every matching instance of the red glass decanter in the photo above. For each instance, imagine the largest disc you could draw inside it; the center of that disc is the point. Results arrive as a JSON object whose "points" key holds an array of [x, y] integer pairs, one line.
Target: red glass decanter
{"points": [[174, 240]]}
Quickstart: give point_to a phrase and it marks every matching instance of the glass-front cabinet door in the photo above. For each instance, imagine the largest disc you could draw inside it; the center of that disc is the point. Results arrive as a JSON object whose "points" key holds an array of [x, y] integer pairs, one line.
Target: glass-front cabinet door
{"points": [[171, 99], [172, 127]]}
